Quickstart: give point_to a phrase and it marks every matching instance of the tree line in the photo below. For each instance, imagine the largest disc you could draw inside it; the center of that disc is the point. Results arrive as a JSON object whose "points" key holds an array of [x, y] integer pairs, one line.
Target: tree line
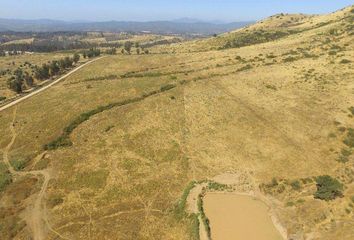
{"points": [[21, 79]]}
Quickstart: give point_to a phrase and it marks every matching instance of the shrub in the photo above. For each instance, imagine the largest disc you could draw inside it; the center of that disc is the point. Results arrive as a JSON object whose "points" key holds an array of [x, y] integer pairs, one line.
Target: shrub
{"points": [[345, 61], [18, 165], [244, 68], [2, 98], [351, 109], [343, 159], [269, 86], [296, 185], [328, 188], [349, 141], [346, 152], [217, 186], [167, 87], [289, 59], [5, 177]]}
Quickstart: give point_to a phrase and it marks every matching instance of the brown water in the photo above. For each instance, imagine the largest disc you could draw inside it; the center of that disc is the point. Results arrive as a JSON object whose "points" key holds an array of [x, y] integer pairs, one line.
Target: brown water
{"points": [[238, 217]]}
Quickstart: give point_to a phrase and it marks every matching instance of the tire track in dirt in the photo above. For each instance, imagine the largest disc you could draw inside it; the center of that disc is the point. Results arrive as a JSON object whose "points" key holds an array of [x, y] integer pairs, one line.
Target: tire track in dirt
{"points": [[35, 214]]}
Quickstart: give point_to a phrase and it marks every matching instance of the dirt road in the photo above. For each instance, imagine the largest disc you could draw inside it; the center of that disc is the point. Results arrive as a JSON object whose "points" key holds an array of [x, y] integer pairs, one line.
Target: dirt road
{"points": [[35, 214], [45, 87]]}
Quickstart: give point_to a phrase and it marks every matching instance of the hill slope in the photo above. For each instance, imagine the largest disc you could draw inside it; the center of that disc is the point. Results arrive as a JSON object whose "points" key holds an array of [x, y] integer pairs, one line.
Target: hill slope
{"points": [[127, 135]]}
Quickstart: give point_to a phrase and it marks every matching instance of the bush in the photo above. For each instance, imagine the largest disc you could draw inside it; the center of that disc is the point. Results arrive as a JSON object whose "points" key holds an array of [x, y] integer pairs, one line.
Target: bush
{"points": [[351, 109], [5, 177], [345, 61], [2, 98], [217, 186], [296, 185], [349, 140], [18, 165], [328, 188]]}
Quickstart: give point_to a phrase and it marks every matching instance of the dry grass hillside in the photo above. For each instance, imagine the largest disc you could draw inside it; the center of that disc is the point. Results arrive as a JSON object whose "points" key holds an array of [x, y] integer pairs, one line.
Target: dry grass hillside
{"points": [[271, 29], [109, 153]]}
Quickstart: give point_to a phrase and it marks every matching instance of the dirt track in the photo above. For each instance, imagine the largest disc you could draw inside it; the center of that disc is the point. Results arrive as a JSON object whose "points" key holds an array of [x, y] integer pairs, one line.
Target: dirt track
{"points": [[45, 87], [35, 214]]}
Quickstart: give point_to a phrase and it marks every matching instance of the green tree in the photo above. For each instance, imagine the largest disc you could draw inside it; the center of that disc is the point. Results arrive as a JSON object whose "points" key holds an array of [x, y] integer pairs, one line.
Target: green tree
{"points": [[54, 68], [128, 46], [76, 57], [328, 188], [15, 83], [138, 51], [28, 79], [42, 73]]}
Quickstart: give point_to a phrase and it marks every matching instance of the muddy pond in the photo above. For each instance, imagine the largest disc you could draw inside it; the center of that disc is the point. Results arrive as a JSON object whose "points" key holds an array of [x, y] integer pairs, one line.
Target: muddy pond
{"points": [[239, 217]]}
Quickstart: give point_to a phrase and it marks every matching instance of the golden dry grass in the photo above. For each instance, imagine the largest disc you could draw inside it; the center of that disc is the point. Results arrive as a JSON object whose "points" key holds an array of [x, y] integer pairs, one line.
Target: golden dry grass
{"points": [[267, 109]]}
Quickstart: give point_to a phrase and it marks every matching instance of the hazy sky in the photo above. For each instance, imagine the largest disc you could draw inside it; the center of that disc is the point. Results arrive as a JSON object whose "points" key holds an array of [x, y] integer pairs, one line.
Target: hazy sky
{"points": [[143, 10]]}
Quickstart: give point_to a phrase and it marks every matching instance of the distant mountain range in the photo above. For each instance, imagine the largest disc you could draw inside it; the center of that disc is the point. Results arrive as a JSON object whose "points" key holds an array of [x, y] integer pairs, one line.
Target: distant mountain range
{"points": [[180, 26]]}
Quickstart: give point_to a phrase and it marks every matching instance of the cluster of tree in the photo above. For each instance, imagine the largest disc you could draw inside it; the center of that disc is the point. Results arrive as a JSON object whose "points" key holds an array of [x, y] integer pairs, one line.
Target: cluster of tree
{"points": [[2, 53], [127, 48], [92, 52], [55, 67], [111, 51], [20, 78]]}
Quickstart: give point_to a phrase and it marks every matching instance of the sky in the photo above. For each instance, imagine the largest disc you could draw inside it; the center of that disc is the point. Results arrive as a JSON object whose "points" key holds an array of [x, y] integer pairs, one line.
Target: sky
{"points": [[148, 10]]}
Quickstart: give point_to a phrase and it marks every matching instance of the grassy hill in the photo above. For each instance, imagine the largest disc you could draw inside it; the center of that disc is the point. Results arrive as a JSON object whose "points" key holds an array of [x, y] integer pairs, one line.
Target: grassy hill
{"points": [[130, 132]]}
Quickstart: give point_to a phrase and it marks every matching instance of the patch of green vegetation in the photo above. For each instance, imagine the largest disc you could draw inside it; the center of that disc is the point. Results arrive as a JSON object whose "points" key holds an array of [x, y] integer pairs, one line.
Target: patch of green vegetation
{"points": [[349, 140], [108, 77], [328, 188], [217, 186], [5, 176], [18, 164], [194, 226], [254, 37], [296, 185], [2, 98], [204, 218], [180, 208], [290, 204], [141, 75]]}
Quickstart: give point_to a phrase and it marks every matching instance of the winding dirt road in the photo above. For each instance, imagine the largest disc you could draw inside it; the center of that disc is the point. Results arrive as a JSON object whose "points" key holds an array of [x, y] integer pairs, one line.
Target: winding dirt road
{"points": [[45, 87], [35, 215]]}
